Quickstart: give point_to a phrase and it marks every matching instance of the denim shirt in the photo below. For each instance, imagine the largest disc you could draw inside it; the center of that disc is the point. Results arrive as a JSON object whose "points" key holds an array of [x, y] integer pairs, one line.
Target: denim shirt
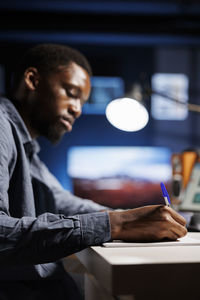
{"points": [[40, 222]]}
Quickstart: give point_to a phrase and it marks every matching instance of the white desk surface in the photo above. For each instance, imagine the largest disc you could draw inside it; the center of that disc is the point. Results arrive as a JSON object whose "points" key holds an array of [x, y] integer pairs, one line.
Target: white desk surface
{"points": [[144, 270]]}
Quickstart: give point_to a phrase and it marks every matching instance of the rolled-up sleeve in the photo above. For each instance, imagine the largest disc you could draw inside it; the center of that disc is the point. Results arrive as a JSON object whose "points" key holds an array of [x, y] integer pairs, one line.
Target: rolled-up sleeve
{"points": [[95, 228], [49, 237]]}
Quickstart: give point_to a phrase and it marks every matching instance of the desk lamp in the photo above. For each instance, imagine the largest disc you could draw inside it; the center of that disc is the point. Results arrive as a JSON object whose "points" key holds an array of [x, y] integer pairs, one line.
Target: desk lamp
{"points": [[129, 114]]}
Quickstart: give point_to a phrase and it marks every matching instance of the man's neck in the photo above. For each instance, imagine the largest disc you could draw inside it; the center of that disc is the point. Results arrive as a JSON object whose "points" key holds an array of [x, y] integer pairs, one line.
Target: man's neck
{"points": [[25, 118]]}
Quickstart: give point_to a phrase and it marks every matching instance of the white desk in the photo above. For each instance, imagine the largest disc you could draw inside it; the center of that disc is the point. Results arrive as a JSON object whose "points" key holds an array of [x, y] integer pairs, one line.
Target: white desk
{"points": [[171, 272]]}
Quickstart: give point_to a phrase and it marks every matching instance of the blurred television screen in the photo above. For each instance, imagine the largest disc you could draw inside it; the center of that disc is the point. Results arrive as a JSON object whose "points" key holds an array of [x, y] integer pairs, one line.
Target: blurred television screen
{"points": [[105, 89], [120, 177]]}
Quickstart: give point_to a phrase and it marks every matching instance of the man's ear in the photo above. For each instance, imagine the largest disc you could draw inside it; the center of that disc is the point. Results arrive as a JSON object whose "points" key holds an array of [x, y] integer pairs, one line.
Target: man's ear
{"points": [[31, 78]]}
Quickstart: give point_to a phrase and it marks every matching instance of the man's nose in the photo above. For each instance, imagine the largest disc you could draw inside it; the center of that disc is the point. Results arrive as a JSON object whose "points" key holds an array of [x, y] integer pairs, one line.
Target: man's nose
{"points": [[75, 108]]}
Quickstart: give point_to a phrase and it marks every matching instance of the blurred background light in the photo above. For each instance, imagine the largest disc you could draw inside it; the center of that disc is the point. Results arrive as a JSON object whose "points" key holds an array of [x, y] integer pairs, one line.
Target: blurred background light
{"points": [[127, 114]]}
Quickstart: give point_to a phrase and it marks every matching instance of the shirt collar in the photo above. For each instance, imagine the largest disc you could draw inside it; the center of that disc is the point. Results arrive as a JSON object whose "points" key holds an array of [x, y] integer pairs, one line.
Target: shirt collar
{"points": [[13, 115]]}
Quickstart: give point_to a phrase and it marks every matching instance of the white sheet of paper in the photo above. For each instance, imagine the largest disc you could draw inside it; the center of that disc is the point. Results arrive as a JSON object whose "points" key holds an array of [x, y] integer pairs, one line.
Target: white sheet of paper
{"points": [[185, 241]]}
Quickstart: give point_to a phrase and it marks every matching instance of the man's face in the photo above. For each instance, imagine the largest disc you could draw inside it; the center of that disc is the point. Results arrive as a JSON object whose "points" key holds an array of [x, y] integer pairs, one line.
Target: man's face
{"points": [[57, 101]]}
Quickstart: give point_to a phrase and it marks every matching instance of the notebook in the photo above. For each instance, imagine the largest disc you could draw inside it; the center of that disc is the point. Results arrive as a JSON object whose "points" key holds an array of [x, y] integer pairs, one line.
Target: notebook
{"points": [[185, 241]]}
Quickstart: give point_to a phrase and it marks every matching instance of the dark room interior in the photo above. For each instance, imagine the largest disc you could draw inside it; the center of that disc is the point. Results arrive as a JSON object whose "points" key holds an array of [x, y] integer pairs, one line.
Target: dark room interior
{"points": [[128, 39]]}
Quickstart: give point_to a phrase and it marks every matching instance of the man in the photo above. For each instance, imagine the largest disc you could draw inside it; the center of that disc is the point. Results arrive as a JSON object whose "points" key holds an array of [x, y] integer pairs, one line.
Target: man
{"points": [[40, 222]]}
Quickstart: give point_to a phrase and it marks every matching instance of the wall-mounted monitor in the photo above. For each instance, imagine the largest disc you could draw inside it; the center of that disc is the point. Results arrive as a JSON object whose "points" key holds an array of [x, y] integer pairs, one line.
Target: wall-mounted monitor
{"points": [[120, 177], [173, 86], [104, 89]]}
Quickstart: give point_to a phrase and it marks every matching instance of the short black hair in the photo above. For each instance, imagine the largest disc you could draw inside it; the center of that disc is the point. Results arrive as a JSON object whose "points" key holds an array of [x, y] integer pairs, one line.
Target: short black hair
{"points": [[47, 58]]}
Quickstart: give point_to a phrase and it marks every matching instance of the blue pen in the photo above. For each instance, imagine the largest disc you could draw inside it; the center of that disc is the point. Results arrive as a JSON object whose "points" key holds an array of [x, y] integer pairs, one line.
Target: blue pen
{"points": [[165, 194]]}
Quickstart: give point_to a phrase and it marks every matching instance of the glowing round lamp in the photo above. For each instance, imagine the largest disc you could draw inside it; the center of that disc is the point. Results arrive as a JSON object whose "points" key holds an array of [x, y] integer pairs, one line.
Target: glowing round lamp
{"points": [[127, 114]]}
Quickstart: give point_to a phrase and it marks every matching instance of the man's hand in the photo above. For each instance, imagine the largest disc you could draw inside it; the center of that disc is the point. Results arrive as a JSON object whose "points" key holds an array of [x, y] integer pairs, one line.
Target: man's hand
{"points": [[146, 224]]}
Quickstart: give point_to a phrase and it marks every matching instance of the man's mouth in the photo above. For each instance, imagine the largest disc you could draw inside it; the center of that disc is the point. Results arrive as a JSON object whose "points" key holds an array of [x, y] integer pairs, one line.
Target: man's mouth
{"points": [[66, 122]]}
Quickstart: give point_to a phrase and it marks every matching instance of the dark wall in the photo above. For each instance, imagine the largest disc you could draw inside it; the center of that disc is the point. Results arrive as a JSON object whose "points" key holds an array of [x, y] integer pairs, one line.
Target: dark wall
{"points": [[130, 39]]}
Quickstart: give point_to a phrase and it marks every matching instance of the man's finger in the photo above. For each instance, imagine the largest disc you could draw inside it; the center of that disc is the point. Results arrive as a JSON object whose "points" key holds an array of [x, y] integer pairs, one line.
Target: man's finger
{"points": [[178, 229], [177, 217]]}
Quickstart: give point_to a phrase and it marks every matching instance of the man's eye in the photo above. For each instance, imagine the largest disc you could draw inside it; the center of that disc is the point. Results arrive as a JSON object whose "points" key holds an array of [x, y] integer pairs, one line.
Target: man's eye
{"points": [[70, 94]]}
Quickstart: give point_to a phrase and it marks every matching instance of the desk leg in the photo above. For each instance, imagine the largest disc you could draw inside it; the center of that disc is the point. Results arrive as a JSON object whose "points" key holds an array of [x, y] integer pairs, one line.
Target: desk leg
{"points": [[94, 291]]}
